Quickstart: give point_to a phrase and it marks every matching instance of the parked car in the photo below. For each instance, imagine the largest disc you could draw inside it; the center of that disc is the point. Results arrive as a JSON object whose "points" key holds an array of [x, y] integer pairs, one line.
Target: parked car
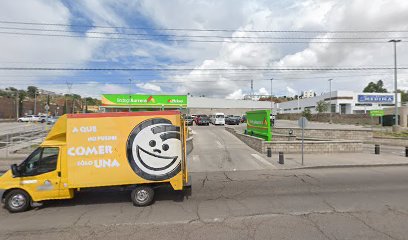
{"points": [[29, 118], [42, 118], [217, 119], [234, 120], [52, 120], [202, 120], [189, 120]]}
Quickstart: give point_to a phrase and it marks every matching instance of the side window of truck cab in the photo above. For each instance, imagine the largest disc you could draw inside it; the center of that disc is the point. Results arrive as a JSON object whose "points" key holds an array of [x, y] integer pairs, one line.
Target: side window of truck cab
{"points": [[41, 161]]}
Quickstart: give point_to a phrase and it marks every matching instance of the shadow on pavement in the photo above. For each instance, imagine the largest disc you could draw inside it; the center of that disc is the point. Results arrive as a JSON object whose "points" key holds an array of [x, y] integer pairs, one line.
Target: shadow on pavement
{"points": [[103, 196]]}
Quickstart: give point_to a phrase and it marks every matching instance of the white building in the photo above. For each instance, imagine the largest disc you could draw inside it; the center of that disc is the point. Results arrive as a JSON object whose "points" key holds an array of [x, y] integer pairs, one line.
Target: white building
{"points": [[343, 102], [308, 94], [205, 105]]}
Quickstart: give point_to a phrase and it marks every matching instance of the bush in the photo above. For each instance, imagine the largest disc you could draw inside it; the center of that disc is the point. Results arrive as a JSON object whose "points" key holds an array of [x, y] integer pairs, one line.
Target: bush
{"points": [[307, 113]]}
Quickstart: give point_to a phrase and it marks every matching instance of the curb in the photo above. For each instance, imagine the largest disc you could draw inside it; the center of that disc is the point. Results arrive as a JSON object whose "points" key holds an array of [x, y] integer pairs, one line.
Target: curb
{"points": [[350, 166]]}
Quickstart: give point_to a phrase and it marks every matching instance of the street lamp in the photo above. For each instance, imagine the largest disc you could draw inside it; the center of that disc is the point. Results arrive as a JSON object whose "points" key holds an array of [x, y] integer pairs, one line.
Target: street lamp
{"points": [[330, 98], [395, 41], [271, 97]]}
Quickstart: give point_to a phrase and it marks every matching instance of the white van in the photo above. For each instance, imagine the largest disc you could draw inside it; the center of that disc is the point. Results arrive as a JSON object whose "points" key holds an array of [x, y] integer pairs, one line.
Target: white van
{"points": [[218, 119]]}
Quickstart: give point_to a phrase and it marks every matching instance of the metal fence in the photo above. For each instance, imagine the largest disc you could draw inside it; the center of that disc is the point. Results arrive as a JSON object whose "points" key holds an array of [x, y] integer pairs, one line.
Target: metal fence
{"points": [[26, 136]]}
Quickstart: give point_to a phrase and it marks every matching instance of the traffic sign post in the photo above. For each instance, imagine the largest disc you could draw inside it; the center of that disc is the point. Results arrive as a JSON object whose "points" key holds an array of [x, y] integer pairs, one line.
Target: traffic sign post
{"points": [[302, 122]]}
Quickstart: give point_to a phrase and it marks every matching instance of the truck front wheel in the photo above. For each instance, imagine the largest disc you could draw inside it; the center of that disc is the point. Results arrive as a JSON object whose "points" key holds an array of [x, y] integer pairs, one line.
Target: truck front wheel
{"points": [[17, 201], [142, 196]]}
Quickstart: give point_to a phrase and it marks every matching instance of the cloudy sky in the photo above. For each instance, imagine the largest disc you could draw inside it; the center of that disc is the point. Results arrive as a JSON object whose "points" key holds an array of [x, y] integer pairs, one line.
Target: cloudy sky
{"points": [[209, 47]]}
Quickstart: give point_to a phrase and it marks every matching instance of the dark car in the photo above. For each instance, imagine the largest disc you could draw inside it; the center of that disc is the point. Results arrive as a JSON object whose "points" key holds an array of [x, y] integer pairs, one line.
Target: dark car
{"points": [[234, 120], [189, 121], [202, 120]]}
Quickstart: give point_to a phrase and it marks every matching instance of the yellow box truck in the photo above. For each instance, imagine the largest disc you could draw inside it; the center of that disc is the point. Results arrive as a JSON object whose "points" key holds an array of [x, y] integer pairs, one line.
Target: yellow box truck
{"points": [[136, 150]]}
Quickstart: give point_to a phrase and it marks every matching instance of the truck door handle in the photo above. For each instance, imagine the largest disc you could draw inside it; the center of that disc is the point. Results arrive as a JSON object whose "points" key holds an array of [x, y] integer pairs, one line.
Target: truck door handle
{"points": [[59, 174]]}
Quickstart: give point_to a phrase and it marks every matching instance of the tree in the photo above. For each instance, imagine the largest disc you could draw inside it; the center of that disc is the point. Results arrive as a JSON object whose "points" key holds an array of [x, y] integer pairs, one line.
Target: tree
{"points": [[21, 96], [322, 106], [31, 91], [375, 87], [307, 113]]}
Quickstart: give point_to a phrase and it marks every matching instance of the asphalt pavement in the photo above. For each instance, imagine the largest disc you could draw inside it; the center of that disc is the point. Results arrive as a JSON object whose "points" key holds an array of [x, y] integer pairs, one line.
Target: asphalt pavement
{"points": [[215, 149], [358, 203], [237, 193]]}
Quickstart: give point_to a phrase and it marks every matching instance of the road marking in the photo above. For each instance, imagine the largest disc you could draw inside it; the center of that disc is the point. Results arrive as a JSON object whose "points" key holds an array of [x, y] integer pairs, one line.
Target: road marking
{"points": [[219, 145], [262, 160]]}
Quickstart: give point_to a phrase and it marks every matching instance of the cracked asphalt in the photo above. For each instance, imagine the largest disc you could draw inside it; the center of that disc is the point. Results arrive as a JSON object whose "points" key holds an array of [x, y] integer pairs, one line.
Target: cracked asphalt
{"points": [[250, 202], [357, 203]]}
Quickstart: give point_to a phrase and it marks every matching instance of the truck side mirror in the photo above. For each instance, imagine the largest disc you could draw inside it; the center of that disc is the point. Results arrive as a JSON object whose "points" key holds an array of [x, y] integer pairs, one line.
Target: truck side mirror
{"points": [[14, 170]]}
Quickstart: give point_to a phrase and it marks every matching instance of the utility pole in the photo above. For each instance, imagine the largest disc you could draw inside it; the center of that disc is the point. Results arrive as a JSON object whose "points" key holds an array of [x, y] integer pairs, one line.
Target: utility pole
{"points": [[17, 106], [395, 41], [252, 89], [35, 102], [330, 98], [130, 94]]}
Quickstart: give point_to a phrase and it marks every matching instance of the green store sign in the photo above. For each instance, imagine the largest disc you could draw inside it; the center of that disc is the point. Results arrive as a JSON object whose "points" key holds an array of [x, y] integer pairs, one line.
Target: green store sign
{"points": [[377, 113], [259, 124], [144, 100]]}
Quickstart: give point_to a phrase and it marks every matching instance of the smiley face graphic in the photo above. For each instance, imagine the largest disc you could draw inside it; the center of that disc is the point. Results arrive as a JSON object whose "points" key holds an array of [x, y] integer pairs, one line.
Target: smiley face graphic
{"points": [[154, 149]]}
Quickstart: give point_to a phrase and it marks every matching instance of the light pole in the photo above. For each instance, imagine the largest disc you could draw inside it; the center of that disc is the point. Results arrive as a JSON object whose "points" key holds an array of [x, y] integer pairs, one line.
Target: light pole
{"points": [[330, 98], [271, 97], [395, 41]]}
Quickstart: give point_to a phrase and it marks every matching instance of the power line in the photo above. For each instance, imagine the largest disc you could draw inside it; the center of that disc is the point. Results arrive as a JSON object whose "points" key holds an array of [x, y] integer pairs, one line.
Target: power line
{"points": [[209, 81], [188, 40], [201, 30], [196, 36], [201, 69]]}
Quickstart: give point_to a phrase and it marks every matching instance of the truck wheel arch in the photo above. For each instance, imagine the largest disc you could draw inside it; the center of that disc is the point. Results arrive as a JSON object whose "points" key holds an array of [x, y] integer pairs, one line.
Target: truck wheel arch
{"points": [[28, 199]]}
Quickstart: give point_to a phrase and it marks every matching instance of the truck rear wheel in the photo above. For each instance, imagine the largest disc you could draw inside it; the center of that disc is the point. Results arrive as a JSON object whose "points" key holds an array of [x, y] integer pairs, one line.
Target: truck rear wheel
{"points": [[17, 201], [142, 196]]}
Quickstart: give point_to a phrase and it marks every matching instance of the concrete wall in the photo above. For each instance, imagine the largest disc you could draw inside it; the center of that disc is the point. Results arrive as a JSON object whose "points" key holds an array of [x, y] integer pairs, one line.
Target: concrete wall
{"points": [[344, 134], [324, 146], [358, 119], [253, 142], [314, 146], [403, 142], [190, 145]]}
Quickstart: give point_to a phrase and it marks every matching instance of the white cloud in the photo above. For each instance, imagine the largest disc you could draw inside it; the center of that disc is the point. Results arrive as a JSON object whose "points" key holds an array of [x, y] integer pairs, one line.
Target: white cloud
{"points": [[304, 15], [262, 91], [114, 89], [236, 95], [149, 87], [212, 14], [291, 91]]}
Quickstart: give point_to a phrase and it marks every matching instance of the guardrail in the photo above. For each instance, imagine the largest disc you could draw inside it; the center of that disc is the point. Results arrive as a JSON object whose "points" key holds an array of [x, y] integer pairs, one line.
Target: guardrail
{"points": [[10, 143]]}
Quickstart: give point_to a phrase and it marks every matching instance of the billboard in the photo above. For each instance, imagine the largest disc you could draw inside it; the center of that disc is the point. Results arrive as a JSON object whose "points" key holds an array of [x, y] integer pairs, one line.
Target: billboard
{"points": [[144, 100], [376, 98], [259, 124]]}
